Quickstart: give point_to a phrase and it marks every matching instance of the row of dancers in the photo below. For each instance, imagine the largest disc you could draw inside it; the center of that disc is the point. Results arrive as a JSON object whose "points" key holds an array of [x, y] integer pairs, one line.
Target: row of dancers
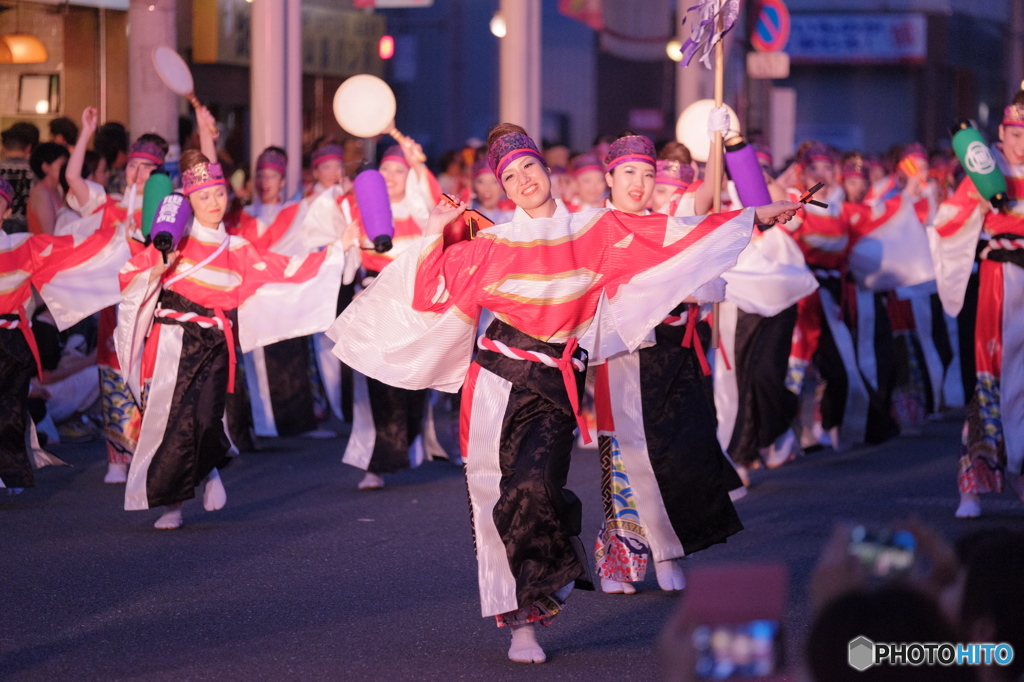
{"points": [[619, 287]]}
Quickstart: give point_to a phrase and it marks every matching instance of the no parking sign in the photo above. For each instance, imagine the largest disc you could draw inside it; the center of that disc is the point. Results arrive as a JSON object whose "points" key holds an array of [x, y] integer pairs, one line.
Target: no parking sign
{"points": [[771, 30]]}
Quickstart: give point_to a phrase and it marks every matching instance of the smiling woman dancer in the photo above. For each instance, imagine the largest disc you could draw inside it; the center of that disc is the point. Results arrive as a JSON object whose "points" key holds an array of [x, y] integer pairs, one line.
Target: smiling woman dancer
{"points": [[176, 340], [665, 484], [555, 282]]}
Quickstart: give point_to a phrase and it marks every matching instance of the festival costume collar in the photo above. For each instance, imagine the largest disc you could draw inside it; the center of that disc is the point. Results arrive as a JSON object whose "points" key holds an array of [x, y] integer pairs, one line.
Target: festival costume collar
{"points": [[205, 234], [608, 204]]}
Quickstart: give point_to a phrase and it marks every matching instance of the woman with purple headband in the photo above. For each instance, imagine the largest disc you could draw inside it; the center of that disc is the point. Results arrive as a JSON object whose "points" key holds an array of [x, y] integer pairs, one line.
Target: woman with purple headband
{"points": [[588, 187], [557, 283], [393, 428], [665, 483], [180, 315], [671, 182], [992, 443], [121, 416], [281, 395]]}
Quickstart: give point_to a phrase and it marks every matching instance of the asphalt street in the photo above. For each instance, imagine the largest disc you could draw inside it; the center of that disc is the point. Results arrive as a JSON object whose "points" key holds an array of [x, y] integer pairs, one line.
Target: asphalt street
{"points": [[301, 576]]}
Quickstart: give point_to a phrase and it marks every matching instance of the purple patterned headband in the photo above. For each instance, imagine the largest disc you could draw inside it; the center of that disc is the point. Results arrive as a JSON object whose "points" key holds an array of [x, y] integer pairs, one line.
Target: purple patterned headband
{"points": [[201, 176], [674, 173], [395, 153], [273, 160], [630, 148], [816, 152], [508, 148], [328, 152], [586, 162], [480, 166], [147, 151]]}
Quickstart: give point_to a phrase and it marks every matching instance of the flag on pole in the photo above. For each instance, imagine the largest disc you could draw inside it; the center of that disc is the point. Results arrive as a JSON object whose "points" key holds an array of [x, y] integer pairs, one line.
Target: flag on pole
{"points": [[704, 34]]}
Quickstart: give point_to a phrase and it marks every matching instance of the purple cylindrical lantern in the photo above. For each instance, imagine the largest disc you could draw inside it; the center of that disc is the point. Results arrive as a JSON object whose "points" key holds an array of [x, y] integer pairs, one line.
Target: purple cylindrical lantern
{"points": [[746, 173], [172, 219], [375, 208]]}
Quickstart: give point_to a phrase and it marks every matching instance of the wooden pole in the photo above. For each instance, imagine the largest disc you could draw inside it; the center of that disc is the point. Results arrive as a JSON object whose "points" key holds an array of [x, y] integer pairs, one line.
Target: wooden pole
{"points": [[717, 153]]}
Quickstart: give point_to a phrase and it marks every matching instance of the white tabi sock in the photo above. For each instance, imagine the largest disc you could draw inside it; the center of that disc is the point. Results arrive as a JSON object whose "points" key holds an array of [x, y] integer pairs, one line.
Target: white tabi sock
{"points": [[670, 575], [371, 482], [214, 495], [615, 587], [171, 518], [116, 473], [525, 648], [970, 506]]}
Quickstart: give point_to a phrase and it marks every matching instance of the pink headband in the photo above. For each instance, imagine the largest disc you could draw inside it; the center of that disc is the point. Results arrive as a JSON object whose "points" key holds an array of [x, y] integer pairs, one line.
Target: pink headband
{"points": [[395, 153], [626, 158], [512, 156]]}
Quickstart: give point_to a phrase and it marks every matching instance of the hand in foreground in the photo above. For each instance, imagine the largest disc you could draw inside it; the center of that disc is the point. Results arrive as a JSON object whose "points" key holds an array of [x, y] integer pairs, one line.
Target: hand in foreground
{"points": [[90, 120], [350, 237], [837, 572], [442, 215], [163, 265], [778, 212]]}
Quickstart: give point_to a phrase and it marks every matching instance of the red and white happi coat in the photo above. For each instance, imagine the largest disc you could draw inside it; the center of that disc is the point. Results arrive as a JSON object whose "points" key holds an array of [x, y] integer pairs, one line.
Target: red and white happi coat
{"points": [[604, 277], [275, 297], [999, 333]]}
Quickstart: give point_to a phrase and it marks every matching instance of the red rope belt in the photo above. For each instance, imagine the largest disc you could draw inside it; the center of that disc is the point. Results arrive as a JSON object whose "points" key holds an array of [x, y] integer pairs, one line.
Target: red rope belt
{"points": [[691, 339], [566, 364], [220, 321]]}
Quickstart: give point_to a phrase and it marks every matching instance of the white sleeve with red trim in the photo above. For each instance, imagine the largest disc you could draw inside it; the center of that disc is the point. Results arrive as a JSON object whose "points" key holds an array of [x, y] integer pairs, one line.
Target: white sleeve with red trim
{"points": [[624, 320], [287, 310], [381, 334], [770, 275], [97, 197], [321, 224], [895, 253], [84, 285], [953, 238]]}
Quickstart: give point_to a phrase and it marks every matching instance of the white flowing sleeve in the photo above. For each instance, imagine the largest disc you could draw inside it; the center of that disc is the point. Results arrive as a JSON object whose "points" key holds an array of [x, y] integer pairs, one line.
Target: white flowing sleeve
{"points": [[97, 197], [382, 335]]}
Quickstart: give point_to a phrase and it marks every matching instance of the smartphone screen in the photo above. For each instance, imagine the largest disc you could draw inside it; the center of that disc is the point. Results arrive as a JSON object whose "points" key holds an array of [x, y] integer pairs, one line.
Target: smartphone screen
{"points": [[727, 651], [884, 553], [739, 608]]}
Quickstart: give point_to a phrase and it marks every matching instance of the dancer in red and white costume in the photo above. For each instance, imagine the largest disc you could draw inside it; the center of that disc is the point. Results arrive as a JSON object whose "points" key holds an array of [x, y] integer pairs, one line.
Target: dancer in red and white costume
{"points": [[557, 284]]}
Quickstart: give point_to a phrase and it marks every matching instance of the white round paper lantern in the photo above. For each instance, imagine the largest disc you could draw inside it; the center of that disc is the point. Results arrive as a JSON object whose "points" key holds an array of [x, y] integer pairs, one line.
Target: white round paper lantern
{"points": [[365, 106], [692, 128]]}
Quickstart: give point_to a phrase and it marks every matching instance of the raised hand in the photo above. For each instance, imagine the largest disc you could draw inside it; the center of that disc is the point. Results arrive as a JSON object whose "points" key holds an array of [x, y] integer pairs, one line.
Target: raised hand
{"points": [[90, 121], [206, 120], [442, 215]]}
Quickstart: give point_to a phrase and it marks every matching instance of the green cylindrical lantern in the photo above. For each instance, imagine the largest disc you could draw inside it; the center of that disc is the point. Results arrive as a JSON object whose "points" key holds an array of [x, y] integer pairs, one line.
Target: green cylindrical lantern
{"points": [[158, 186], [977, 160]]}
